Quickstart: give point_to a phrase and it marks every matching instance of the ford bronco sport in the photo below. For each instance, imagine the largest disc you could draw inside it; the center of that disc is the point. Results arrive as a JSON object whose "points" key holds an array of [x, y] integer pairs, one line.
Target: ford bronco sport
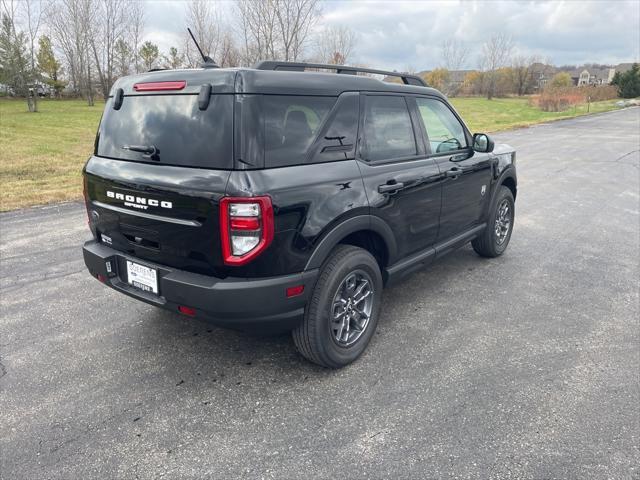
{"points": [[278, 197]]}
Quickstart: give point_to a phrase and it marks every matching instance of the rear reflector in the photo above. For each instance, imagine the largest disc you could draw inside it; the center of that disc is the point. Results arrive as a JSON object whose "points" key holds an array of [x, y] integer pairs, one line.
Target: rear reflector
{"points": [[295, 291], [102, 278], [245, 223], [159, 86], [191, 312]]}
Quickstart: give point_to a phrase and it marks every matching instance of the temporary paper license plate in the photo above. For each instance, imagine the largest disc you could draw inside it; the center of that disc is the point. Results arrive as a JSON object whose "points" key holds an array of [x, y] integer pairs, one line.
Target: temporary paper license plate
{"points": [[142, 277]]}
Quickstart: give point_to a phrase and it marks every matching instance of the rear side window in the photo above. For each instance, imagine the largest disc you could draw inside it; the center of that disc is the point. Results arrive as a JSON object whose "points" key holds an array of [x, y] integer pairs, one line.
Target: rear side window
{"points": [[388, 131], [172, 127], [291, 123], [444, 130]]}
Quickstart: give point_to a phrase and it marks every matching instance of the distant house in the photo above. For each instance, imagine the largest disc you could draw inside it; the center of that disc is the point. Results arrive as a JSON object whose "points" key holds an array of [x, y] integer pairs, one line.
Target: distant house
{"points": [[542, 74], [596, 75], [592, 76]]}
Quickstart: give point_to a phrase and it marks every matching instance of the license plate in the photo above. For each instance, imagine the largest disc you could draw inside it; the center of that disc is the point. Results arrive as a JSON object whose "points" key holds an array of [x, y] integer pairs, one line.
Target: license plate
{"points": [[142, 277]]}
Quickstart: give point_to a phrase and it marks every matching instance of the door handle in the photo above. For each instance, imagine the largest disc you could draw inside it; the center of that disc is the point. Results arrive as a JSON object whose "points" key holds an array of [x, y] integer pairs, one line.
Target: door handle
{"points": [[454, 172], [390, 187]]}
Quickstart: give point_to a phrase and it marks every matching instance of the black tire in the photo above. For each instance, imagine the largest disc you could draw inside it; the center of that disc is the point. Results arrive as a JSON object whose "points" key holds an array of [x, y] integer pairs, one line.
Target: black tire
{"points": [[315, 337], [489, 244]]}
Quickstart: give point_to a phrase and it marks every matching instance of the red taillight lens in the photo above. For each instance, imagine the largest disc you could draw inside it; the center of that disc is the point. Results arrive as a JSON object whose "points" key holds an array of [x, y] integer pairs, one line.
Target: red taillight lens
{"points": [[189, 311], [245, 223], [159, 86], [246, 228]]}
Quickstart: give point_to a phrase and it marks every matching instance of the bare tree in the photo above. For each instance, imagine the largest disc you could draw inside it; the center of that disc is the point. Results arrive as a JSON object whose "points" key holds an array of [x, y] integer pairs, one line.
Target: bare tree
{"points": [[336, 45], [228, 53], [295, 20], [110, 23], [258, 25], [69, 21], [32, 13], [454, 54], [522, 72], [136, 29], [10, 9], [276, 29], [123, 57], [495, 54], [204, 20]]}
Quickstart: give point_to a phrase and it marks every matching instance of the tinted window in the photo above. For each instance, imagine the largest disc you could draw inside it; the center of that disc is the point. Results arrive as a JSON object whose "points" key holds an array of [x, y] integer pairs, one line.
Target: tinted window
{"points": [[444, 130], [388, 132], [181, 133], [337, 139], [291, 123]]}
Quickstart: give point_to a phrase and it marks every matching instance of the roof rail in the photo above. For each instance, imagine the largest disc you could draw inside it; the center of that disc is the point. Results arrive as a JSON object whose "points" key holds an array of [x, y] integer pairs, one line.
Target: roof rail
{"points": [[407, 78]]}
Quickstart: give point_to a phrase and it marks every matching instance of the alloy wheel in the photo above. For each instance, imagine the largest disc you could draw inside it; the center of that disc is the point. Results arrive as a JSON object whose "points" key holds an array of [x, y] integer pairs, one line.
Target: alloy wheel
{"points": [[503, 221], [351, 308]]}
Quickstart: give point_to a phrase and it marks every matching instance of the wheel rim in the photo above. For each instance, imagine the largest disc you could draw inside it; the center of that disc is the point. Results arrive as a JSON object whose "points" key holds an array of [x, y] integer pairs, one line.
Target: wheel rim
{"points": [[503, 221], [351, 308]]}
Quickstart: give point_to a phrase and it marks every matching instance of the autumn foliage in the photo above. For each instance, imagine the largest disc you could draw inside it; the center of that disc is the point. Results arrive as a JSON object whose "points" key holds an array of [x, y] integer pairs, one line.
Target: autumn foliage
{"points": [[558, 99]]}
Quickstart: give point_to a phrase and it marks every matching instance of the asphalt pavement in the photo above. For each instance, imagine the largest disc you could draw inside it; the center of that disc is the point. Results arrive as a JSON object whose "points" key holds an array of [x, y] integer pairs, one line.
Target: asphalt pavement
{"points": [[525, 366]]}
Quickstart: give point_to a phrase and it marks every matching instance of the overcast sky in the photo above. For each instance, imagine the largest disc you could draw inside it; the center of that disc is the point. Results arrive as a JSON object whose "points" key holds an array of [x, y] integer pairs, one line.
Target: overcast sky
{"points": [[400, 34]]}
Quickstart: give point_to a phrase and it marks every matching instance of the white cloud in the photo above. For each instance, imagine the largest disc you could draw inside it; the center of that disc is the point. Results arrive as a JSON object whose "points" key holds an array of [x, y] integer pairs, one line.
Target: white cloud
{"points": [[396, 34]]}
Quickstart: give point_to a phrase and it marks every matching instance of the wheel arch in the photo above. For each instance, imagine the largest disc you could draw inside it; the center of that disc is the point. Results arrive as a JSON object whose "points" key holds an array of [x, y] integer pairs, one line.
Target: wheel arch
{"points": [[510, 182], [366, 231]]}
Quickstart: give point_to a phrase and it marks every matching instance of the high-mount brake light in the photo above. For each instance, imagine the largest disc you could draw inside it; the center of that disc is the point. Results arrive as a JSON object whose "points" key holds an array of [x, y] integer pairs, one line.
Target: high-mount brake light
{"points": [[246, 228], [159, 86]]}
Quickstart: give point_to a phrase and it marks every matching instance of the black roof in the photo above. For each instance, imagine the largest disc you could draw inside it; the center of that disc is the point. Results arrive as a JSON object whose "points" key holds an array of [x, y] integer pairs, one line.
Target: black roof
{"points": [[282, 82]]}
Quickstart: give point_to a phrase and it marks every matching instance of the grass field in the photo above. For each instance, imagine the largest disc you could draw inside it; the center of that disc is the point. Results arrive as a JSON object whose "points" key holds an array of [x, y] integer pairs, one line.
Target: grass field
{"points": [[482, 115], [42, 154]]}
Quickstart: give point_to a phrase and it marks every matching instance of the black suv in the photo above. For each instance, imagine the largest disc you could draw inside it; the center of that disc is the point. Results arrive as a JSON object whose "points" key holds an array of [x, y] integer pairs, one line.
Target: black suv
{"points": [[282, 198]]}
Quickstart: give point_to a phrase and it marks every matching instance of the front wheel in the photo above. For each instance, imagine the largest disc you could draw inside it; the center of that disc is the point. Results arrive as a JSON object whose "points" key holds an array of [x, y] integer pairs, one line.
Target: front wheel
{"points": [[495, 238], [343, 310]]}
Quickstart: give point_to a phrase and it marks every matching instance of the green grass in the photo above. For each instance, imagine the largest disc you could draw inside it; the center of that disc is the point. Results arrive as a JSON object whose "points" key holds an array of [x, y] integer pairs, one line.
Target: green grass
{"points": [[42, 154], [482, 115]]}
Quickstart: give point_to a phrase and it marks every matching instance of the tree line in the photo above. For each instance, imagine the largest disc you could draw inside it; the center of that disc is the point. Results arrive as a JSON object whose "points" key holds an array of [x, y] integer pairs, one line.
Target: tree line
{"points": [[502, 71], [84, 46]]}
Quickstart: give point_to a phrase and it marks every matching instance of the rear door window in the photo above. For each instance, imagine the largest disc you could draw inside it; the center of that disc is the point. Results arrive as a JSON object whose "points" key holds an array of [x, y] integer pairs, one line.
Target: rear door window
{"points": [[291, 123], [388, 131], [179, 132]]}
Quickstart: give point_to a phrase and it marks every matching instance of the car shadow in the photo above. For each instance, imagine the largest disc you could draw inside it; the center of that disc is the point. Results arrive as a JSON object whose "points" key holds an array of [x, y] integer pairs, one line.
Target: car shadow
{"points": [[195, 345]]}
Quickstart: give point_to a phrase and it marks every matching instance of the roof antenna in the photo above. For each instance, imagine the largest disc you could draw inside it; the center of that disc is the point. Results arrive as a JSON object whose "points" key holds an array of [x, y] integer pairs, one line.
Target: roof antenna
{"points": [[207, 61]]}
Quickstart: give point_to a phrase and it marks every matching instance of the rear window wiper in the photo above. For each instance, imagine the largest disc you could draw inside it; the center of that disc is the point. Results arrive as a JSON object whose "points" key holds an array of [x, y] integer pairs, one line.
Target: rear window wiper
{"points": [[147, 151]]}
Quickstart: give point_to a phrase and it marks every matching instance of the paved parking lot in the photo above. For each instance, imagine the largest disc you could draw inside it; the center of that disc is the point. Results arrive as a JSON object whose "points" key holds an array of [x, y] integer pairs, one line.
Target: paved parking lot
{"points": [[523, 366]]}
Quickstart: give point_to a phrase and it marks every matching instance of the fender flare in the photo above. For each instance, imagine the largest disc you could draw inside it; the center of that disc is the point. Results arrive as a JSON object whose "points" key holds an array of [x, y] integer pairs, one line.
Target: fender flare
{"points": [[507, 173], [349, 226]]}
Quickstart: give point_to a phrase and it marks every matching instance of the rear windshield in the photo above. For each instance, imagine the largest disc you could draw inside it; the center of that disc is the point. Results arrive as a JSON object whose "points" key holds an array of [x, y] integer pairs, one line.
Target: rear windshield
{"points": [[170, 130]]}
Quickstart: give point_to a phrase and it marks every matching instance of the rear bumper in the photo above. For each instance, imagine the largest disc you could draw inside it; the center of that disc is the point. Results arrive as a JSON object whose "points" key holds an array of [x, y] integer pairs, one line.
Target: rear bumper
{"points": [[245, 303]]}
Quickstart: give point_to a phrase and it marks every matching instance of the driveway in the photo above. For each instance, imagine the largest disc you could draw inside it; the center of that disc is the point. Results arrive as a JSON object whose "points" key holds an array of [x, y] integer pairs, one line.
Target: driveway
{"points": [[522, 366]]}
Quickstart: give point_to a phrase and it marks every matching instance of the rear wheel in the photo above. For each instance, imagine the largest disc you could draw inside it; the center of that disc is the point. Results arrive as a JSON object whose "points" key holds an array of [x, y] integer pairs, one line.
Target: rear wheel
{"points": [[343, 310], [495, 238]]}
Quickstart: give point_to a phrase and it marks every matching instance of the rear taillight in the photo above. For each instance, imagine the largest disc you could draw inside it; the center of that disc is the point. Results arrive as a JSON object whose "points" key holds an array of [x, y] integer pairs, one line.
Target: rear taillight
{"points": [[246, 228]]}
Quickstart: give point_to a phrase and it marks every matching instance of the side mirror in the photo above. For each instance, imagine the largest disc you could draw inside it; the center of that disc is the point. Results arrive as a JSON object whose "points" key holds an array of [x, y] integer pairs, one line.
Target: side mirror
{"points": [[482, 143]]}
